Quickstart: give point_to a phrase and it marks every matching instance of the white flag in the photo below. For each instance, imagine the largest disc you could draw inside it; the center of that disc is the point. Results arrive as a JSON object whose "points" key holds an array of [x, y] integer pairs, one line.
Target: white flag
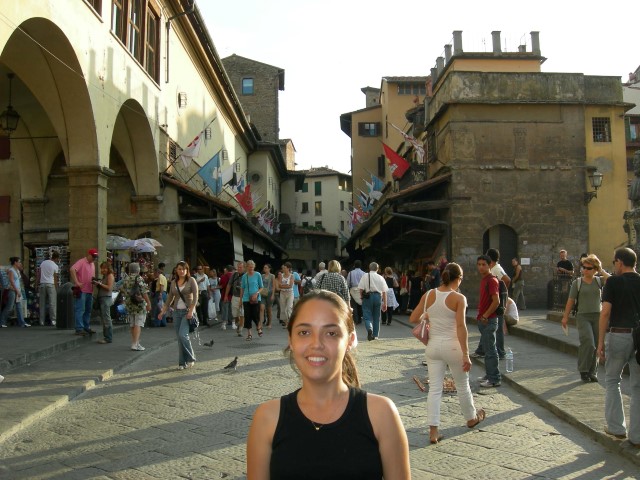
{"points": [[192, 150]]}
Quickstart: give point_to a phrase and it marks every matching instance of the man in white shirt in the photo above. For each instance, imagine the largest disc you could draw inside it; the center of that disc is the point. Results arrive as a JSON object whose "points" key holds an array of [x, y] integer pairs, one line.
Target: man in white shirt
{"points": [[322, 270], [203, 295], [373, 290], [48, 282]]}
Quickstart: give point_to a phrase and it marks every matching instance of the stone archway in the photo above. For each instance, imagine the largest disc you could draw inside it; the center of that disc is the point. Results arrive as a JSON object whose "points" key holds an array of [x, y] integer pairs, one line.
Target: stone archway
{"points": [[57, 121], [505, 239]]}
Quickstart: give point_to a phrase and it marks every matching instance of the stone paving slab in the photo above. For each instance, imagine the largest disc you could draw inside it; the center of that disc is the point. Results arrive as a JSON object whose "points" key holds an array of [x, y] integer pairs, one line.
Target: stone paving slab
{"points": [[550, 377], [207, 411]]}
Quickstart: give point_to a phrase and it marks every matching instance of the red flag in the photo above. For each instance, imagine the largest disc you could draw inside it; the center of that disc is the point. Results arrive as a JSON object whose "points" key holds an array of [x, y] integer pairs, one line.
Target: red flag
{"points": [[397, 164], [245, 200]]}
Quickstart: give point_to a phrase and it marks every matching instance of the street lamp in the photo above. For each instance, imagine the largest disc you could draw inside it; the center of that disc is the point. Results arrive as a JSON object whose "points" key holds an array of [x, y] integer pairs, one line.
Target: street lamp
{"points": [[595, 179], [9, 118]]}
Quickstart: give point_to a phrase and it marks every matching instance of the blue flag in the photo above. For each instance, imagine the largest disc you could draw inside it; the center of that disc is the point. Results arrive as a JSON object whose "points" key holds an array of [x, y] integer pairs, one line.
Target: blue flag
{"points": [[377, 183], [210, 174]]}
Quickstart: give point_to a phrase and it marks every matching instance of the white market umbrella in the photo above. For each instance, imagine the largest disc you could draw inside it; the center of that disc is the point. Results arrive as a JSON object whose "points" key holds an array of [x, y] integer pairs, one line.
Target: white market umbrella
{"points": [[116, 242]]}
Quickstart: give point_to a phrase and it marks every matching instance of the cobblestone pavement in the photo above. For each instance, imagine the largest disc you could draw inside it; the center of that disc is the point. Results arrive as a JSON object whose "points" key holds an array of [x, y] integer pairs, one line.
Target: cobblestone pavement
{"points": [[152, 421]]}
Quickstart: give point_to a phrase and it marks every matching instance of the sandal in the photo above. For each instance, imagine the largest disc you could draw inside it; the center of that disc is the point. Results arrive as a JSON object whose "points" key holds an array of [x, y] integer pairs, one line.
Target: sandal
{"points": [[480, 416], [260, 332], [419, 384], [249, 337]]}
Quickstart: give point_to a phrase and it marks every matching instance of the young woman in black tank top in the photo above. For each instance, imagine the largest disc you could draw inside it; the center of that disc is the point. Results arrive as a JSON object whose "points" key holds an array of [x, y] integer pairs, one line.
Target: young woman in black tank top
{"points": [[329, 428]]}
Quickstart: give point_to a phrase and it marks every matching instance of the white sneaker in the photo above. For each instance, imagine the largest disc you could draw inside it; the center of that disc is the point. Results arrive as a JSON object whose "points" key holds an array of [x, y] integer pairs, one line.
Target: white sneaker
{"points": [[224, 326], [234, 326], [53, 324], [489, 384], [189, 364], [181, 367], [1, 378], [137, 348]]}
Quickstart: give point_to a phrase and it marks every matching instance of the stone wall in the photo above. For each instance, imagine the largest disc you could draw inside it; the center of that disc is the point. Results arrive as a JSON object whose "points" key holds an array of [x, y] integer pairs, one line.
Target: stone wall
{"points": [[262, 106]]}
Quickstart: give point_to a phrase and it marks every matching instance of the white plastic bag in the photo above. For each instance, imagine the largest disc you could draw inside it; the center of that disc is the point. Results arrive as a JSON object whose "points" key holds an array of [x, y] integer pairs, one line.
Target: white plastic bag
{"points": [[212, 308]]}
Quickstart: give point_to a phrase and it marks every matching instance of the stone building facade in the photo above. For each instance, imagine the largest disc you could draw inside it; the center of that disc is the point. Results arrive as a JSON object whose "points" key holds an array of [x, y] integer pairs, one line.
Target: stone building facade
{"points": [[103, 121], [509, 151], [258, 86]]}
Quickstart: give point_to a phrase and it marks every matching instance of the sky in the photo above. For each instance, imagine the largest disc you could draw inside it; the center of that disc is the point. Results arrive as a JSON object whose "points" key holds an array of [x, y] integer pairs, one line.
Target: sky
{"points": [[330, 49]]}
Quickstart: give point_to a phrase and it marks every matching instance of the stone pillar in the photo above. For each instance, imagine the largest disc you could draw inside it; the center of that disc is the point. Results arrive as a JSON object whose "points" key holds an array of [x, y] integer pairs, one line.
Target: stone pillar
{"points": [[87, 210]]}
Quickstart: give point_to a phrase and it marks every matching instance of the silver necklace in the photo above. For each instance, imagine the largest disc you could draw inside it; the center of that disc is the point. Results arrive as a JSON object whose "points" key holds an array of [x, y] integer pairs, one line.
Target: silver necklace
{"points": [[317, 426]]}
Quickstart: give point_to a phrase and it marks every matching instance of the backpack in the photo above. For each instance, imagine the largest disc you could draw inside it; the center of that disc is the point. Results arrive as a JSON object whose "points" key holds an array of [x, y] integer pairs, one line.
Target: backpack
{"points": [[308, 285], [574, 310], [135, 294], [503, 294], [236, 284]]}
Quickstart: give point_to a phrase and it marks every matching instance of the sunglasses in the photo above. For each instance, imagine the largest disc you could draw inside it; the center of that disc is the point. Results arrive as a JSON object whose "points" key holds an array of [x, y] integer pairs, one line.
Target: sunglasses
{"points": [[584, 267]]}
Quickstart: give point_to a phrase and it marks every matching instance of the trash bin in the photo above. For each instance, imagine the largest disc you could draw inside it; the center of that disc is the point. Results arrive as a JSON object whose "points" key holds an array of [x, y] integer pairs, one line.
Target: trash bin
{"points": [[65, 311]]}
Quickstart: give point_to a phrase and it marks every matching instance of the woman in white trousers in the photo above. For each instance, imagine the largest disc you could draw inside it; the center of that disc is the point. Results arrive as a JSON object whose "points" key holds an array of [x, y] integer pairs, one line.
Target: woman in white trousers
{"points": [[444, 309]]}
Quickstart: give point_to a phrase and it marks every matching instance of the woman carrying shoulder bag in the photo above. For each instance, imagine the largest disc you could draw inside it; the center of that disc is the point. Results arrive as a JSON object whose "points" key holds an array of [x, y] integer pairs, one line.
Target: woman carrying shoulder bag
{"points": [[183, 294], [445, 308], [585, 294]]}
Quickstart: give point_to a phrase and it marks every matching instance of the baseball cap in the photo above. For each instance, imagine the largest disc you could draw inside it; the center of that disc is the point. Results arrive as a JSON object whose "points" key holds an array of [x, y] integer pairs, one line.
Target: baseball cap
{"points": [[93, 252]]}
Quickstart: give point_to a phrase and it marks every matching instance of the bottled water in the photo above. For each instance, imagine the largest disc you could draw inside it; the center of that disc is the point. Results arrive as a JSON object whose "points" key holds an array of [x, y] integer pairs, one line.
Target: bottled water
{"points": [[509, 361]]}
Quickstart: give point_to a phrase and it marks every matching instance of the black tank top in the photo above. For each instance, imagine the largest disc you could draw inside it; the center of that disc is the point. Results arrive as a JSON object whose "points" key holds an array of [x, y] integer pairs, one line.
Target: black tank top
{"points": [[345, 449]]}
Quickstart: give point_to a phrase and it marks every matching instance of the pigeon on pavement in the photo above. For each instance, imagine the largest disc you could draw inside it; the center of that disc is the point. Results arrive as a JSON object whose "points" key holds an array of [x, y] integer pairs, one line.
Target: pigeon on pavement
{"points": [[209, 344], [233, 364]]}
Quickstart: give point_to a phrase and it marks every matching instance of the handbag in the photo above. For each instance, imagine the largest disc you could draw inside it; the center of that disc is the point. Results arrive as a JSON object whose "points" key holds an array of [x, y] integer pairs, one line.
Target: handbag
{"points": [[193, 322], [421, 330]]}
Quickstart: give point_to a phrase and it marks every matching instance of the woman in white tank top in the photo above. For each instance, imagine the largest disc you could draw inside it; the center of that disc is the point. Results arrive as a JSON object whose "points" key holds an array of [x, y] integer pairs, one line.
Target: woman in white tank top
{"points": [[445, 308]]}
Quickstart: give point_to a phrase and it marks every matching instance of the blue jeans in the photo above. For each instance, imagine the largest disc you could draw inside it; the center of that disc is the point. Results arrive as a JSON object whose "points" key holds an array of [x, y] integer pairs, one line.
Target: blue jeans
{"points": [[181, 325], [371, 312], [83, 307], [488, 344], [11, 302], [105, 316], [619, 351], [499, 340], [155, 309]]}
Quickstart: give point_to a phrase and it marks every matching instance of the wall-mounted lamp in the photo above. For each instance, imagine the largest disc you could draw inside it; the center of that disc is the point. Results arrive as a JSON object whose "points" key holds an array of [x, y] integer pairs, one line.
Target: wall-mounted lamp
{"points": [[182, 99], [9, 118], [207, 133], [595, 180]]}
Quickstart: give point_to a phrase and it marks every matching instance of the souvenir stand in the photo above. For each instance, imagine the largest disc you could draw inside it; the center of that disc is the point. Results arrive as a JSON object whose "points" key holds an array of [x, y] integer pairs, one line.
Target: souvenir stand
{"points": [[38, 253]]}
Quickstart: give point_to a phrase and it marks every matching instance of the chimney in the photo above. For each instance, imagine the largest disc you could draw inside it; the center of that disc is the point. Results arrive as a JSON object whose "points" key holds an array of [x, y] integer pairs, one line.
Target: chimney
{"points": [[522, 48], [495, 36], [457, 42], [434, 76], [535, 43], [440, 65], [447, 53]]}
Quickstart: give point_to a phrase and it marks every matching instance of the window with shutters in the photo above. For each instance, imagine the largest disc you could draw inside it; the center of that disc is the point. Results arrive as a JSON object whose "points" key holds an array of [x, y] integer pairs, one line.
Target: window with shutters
{"points": [[136, 23]]}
